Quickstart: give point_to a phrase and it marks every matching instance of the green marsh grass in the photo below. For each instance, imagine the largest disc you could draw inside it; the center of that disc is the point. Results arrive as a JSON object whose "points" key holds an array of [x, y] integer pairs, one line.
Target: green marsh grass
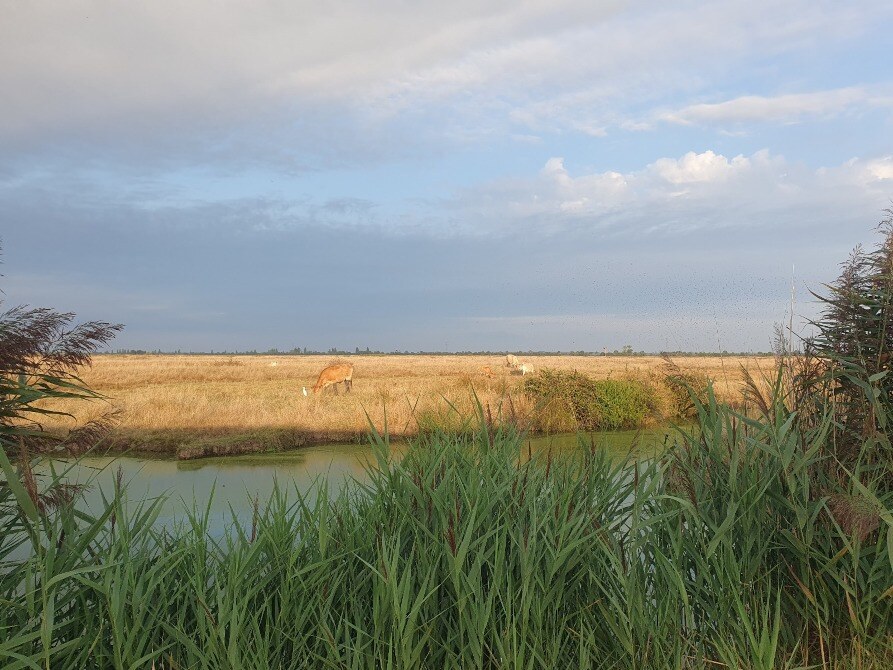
{"points": [[730, 550]]}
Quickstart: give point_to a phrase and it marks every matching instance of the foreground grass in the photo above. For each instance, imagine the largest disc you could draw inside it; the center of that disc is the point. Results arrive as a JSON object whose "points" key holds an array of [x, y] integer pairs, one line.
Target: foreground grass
{"points": [[731, 551], [246, 403]]}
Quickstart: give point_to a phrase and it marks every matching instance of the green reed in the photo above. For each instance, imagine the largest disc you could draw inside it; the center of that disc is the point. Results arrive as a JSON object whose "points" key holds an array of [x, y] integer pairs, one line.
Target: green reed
{"points": [[731, 550]]}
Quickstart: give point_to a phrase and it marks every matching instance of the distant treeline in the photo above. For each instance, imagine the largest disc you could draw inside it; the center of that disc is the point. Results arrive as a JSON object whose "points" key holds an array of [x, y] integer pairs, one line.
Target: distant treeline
{"points": [[298, 351]]}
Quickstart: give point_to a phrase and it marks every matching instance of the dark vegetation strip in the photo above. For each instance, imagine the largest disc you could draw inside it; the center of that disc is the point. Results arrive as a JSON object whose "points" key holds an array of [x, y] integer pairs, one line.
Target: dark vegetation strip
{"points": [[187, 444]]}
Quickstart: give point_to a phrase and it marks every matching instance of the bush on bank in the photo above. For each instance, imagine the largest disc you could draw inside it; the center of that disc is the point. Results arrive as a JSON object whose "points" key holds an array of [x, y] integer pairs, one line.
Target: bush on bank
{"points": [[569, 401]]}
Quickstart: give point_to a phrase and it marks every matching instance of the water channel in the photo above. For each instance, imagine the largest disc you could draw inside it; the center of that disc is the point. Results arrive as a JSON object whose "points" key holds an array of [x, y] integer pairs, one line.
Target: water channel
{"points": [[228, 485]]}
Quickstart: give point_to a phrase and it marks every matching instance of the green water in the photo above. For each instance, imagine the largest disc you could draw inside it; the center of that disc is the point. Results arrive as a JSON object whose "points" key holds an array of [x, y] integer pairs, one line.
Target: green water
{"points": [[227, 486]]}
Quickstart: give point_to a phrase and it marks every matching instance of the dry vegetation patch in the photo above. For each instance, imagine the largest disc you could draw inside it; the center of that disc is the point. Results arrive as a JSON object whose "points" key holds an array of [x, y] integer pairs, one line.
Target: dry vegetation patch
{"points": [[169, 400]]}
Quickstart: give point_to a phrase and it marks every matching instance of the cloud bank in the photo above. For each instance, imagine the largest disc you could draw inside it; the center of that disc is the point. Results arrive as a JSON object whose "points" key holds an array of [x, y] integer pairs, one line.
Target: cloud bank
{"points": [[693, 193], [516, 174]]}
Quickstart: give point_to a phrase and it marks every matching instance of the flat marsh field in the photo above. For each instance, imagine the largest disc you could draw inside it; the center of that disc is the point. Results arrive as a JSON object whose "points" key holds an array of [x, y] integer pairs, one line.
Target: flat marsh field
{"points": [[202, 405]]}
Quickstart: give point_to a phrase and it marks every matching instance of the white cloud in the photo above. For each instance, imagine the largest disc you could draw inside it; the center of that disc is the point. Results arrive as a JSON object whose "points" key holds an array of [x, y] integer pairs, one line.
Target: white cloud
{"points": [[86, 62], [585, 79], [538, 63], [672, 196], [881, 169], [787, 108], [704, 167]]}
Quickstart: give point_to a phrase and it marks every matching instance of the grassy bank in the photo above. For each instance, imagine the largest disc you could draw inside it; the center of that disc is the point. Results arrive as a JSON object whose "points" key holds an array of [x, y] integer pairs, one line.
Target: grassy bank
{"points": [[234, 404], [737, 549]]}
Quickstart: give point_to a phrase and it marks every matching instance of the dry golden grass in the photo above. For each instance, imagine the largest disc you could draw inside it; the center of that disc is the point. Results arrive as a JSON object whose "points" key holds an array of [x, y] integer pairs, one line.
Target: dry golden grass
{"points": [[170, 398]]}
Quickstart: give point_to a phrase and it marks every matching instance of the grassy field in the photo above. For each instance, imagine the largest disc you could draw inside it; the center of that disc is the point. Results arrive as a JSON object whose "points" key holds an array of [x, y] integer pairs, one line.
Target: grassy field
{"points": [[203, 405]]}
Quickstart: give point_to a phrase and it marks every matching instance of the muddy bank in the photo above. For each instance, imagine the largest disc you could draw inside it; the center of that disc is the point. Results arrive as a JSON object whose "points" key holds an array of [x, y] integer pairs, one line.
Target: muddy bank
{"points": [[188, 445]]}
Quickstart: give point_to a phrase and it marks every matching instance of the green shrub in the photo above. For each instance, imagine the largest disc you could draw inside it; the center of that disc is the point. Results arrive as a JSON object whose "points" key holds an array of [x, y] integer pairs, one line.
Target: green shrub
{"points": [[572, 401]]}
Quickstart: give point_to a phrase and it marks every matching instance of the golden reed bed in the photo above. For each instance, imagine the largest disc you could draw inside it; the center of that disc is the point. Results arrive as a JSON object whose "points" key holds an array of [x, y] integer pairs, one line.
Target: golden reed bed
{"points": [[165, 402]]}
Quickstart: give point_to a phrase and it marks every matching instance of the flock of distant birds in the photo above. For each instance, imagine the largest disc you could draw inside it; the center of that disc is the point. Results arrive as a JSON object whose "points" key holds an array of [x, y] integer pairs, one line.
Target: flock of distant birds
{"points": [[343, 372]]}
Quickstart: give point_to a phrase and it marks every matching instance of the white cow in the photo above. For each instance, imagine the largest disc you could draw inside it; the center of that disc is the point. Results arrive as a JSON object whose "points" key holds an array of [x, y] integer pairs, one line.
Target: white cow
{"points": [[526, 368], [512, 361]]}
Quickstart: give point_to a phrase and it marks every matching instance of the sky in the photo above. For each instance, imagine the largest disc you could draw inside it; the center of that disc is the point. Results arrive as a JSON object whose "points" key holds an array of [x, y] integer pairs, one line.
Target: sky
{"points": [[488, 175]]}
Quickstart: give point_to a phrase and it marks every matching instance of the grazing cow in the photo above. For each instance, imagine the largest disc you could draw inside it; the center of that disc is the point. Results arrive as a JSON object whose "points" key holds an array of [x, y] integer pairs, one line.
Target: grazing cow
{"points": [[487, 370], [512, 361], [525, 368], [333, 375]]}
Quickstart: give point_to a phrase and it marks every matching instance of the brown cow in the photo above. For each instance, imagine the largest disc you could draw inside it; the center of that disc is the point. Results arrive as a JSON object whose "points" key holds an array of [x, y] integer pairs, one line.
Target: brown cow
{"points": [[335, 374], [487, 370]]}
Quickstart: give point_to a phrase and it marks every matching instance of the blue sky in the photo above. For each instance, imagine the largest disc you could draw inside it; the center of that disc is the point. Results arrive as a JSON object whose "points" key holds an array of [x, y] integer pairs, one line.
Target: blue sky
{"points": [[466, 175]]}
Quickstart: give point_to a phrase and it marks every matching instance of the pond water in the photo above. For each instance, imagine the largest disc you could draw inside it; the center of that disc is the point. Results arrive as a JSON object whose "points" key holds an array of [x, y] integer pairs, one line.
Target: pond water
{"points": [[228, 485]]}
